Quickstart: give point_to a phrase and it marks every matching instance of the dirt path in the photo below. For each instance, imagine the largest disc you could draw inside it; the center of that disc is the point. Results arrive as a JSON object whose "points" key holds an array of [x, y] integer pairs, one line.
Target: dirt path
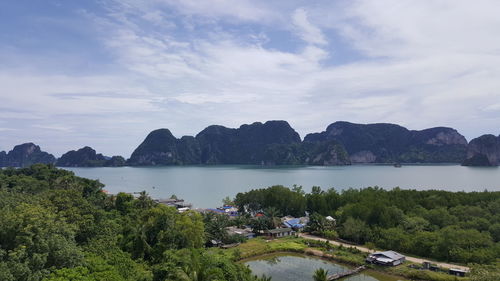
{"points": [[366, 250]]}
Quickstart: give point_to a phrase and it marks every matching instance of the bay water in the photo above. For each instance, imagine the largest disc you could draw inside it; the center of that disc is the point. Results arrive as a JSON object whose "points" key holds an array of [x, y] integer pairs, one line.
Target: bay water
{"points": [[206, 186]]}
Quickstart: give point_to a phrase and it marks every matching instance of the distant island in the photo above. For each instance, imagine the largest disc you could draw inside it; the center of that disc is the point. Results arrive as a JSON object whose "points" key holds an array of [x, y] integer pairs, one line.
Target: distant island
{"points": [[277, 143], [87, 157]]}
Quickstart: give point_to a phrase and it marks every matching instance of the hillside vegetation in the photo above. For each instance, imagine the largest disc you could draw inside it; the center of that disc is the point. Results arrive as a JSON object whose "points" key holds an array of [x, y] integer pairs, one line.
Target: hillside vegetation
{"points": [[56, 226]]}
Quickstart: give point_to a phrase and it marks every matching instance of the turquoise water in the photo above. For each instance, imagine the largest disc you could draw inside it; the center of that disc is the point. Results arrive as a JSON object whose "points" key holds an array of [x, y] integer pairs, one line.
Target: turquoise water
{"points": [[205, 186], [301, 268]]}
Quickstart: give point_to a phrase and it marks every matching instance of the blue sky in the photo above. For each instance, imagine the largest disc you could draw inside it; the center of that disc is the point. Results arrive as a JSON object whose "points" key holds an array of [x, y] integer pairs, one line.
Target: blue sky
{"points": [[104, 73]]}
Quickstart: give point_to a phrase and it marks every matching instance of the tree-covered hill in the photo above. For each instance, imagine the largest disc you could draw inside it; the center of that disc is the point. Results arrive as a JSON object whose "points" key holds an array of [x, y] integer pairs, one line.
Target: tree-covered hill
{"points": [[24, 155], [56, 226], [277, 143], [483, 151], [389, 143], [88, 157]]}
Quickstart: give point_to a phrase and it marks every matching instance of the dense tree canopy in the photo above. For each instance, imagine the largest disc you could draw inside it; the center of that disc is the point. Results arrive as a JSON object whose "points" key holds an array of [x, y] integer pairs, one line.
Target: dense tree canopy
{"points": [[55, 226], [451, 226]]}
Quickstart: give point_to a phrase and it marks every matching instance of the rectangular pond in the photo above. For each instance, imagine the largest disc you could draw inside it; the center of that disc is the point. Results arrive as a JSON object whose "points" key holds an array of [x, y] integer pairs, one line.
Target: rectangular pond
{"points": [[296, 267]]}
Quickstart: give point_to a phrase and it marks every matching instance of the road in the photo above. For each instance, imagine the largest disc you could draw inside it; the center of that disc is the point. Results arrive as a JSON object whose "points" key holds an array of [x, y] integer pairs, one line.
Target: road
{"points": [[366, 250]]}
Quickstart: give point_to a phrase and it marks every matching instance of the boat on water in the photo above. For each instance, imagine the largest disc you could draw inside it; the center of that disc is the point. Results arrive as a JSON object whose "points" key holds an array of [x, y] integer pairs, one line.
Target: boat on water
{"points": [[397, 165]]}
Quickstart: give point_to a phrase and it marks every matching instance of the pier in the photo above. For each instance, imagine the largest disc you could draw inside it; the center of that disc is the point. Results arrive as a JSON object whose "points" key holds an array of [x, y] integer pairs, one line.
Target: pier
{"points": [[346, 273]]}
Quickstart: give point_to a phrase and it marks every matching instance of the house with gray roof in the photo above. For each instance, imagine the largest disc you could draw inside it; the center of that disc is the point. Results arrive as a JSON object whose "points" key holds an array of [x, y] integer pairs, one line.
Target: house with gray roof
{"points": [[390, 258], [279, 232]]}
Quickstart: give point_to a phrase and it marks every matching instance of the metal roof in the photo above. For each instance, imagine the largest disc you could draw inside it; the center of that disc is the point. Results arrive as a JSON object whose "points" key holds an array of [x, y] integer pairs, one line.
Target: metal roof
{"points": [[389, 254], [280, 230]]}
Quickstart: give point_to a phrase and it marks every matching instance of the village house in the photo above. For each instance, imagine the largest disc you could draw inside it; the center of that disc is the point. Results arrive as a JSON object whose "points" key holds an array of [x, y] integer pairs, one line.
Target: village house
{"points": [[229, 210], [245, 232], [331, 219], [457, 272], [173, 202], [389, 258], [294, 223], [279, 232]]}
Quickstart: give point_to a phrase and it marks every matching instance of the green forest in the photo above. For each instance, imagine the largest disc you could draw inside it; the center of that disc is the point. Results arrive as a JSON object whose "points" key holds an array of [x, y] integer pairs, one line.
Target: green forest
{"points": [[55, 226], [447, 226]]}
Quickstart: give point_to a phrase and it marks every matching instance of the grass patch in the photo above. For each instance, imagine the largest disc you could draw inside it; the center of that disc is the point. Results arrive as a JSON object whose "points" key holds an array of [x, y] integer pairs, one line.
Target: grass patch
{"points": [[416, 274], [260, 246]]}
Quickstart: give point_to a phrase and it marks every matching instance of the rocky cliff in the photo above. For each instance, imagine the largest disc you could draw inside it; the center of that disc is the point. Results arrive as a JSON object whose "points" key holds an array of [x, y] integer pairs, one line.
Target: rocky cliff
{"points": [[214, 145], [159, 148], [3, 158], [325, 153], [277, 143], [25, 155], [246, 145], [387, 143], [483, 151], [83, 157], [115, 161]]}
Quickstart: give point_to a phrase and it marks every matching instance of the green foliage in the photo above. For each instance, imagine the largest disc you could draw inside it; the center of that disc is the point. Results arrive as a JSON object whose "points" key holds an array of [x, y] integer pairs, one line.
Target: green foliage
{"points": [[494, 230], [320, 274], [485, 273], [161, 228], [319, 225], [450, 226], [34, 238], [197, 264], [215, 225], [355, 230], [260, 246], [55, 226], [283, 199], [227, 201]]}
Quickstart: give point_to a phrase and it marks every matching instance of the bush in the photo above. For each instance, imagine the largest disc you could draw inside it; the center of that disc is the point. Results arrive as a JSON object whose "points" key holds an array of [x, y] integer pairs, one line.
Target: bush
{"points": [[330, 234]]}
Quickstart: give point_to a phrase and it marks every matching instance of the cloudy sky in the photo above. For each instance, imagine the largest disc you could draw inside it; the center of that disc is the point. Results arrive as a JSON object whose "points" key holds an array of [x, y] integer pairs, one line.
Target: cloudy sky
{"points": [[104, 73]]}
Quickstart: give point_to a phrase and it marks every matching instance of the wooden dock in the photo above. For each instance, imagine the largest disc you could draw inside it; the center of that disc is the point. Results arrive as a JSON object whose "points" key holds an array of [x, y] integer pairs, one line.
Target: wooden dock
{"points": [[346, 273]]}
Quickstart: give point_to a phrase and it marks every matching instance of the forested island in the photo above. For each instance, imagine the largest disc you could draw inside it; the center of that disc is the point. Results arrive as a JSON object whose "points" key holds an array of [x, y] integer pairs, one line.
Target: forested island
{"points": [[56, 226], [277, 143]]}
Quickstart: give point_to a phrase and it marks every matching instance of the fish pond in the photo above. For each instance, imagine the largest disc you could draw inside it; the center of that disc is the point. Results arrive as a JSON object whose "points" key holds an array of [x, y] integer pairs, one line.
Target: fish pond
{"points": [[297, 267]]}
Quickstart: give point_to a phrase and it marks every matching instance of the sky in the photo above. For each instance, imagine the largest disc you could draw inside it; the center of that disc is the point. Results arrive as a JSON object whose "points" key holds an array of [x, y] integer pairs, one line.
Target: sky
{"points": [[104, 73]]}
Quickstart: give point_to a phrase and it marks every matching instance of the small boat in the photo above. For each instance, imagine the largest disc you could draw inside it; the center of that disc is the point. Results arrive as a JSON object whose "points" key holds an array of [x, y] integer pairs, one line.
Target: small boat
{"points": [[397, 165]]}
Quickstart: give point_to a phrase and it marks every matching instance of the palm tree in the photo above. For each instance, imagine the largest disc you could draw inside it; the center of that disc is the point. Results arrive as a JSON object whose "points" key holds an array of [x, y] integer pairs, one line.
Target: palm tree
{"points": [[320, 275], [273, 214], [198, 268], [144, 201], [140, 245]]}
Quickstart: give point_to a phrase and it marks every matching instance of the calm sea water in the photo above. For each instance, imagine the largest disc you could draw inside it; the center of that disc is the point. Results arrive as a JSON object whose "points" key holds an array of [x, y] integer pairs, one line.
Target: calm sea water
{"points": [[205, 186], [301, 268]]}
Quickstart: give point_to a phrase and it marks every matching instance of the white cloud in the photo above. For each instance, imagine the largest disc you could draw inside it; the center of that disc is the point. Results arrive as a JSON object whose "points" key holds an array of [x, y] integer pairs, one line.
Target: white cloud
{"points": [[246, 10], [408, 28], [416, 63], [424, 63], [306, 30]]}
